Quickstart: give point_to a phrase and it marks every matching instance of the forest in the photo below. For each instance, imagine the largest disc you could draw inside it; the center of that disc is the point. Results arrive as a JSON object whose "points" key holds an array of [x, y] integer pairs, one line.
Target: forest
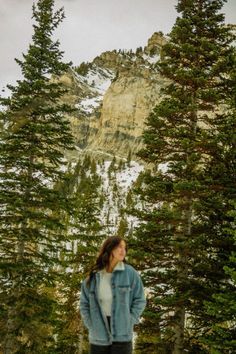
{"points": [[178, 218]]}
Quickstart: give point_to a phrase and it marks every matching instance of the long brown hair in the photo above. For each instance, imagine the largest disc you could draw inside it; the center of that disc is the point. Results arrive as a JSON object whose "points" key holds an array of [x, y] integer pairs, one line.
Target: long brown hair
{"points": [[103, 258]]}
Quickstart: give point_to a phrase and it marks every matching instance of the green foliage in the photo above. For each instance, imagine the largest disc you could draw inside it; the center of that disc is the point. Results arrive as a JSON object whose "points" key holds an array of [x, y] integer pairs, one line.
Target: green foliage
{"points": [[181, 242], [122, 228], [83, 68], [33, 232], [149, 331], [85, 239], [139, 51], [129, 199], [129, 157], [121, 165], [112, 168], [222, 309]]}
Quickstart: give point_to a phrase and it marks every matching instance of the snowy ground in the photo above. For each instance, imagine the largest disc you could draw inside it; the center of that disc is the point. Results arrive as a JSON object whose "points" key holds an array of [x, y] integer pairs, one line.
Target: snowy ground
{"points": [[122, 181]]}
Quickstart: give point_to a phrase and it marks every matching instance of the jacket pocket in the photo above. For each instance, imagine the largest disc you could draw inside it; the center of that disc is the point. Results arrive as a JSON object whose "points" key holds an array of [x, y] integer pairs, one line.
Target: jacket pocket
{"points": [[124, 294]]}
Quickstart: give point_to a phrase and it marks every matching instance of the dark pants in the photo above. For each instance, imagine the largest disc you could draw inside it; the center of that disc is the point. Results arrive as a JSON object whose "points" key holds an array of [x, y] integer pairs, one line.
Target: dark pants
{"points": [[115, 348]]}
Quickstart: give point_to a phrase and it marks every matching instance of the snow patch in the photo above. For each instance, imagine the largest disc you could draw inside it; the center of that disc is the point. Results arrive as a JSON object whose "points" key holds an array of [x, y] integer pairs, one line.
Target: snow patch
{"points": [[126, 178], [151, 59], [98, 80], [88, 105]]}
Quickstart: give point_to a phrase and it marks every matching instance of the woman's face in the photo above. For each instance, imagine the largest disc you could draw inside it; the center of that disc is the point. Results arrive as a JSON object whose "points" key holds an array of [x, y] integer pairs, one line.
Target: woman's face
{"points": [[119, 252]]}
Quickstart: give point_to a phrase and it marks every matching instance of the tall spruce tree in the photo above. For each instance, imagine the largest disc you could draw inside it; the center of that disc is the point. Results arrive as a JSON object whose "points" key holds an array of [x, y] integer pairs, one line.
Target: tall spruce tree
{"points": [[35, 134], [86, 236], [220, 336], [176, 243]]}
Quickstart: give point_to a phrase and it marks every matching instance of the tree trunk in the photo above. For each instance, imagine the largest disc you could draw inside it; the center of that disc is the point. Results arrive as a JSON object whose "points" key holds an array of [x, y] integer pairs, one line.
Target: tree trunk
{"points": [[180, 312], [179, 331]]}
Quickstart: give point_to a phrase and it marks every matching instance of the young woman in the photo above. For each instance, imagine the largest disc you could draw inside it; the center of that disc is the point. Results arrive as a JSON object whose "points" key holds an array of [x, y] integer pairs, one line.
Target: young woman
{"points": [[112, 300]]}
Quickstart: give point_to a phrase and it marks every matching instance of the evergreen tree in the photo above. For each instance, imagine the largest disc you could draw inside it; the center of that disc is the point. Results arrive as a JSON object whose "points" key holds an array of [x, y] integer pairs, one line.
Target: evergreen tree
{"points": [[221, 337], [122, 229], [112, 168], [86, 238], [129, 198], [129, 157], [176, 242], [36, 133], [221, 334]]}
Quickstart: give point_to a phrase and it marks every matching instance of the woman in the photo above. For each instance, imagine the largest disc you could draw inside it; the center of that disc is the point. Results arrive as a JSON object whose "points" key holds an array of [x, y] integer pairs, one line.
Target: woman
{"points": [[112, 300]]}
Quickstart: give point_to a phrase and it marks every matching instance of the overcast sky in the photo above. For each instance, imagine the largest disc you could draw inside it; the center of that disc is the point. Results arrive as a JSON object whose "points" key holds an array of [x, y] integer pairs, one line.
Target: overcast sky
{"points": [[90, 27]]}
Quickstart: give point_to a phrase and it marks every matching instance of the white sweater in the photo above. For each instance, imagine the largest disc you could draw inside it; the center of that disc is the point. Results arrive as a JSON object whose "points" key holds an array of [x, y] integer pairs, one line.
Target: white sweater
{"points": [[105, 293]]}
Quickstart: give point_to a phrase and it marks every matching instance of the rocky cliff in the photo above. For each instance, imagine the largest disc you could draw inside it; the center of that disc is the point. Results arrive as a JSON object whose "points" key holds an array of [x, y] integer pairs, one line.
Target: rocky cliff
{"points": [[113, 95]]}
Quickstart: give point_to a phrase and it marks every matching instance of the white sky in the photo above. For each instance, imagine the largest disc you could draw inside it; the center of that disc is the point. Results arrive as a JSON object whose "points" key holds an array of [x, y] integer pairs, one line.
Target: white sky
{"points": [[90, 28]]}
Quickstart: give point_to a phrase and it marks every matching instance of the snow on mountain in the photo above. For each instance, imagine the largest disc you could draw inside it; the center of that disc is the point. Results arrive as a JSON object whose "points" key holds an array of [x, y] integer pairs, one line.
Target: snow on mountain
{"points": [[151, 59], [88, 105], [127, 177], [115, 185], [98, 80]]}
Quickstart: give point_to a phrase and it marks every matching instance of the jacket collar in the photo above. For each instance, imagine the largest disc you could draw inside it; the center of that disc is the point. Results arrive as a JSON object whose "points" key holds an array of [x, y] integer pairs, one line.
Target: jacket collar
{"points": [[119, 266]]}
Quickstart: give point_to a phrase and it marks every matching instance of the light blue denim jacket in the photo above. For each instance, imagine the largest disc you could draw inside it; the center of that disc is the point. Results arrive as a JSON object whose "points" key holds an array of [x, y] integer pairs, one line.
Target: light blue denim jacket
{"points": [[128, 303]]}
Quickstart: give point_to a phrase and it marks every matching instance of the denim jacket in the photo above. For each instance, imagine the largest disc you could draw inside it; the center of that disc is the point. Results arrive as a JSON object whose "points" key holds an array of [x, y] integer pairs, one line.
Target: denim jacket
{"points": [[128, 303]]}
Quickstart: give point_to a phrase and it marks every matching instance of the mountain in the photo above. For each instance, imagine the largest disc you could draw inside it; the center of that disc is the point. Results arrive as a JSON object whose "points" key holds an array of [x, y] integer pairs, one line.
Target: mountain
{"points": [[113, 95]]}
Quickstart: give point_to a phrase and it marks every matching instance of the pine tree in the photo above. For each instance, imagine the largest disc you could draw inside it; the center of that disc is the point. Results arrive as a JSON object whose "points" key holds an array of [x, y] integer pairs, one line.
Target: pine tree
{"points": [[129, 157], [89, 234], [122, 229], [220, 335], [36, 133], [175, 244], [112, 168], [86, 237]]}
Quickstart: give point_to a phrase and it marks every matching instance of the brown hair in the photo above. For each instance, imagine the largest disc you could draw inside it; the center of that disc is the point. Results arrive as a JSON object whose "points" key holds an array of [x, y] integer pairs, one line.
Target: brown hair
{"points": [[104, 255]]}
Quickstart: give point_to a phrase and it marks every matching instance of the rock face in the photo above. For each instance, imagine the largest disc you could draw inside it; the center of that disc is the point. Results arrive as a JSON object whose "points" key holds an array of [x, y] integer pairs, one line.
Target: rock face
{"points": [[113, 96]]}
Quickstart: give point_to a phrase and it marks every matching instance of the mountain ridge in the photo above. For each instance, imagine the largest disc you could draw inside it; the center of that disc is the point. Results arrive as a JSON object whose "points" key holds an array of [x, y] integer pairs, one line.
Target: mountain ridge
{"points": [[113, 95]]}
